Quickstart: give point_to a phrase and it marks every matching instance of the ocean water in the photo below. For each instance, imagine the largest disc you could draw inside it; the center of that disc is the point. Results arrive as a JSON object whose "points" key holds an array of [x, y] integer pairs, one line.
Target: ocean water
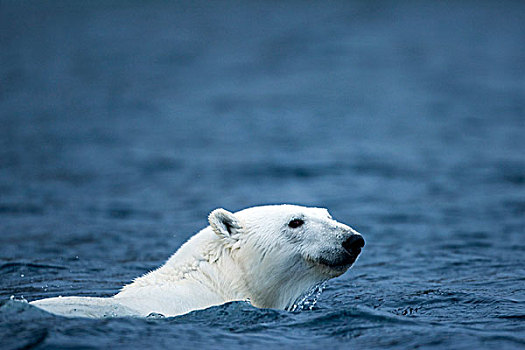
{"points": [[123, 124]]}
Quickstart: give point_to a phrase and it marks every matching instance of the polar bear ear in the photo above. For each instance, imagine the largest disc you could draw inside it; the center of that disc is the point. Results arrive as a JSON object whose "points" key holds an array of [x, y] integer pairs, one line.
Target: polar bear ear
{"points": [[224, 223]]}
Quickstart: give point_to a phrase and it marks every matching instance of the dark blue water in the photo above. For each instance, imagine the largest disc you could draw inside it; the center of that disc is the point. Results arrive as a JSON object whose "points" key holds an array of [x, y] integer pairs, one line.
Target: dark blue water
{"points": [[122, 125]]}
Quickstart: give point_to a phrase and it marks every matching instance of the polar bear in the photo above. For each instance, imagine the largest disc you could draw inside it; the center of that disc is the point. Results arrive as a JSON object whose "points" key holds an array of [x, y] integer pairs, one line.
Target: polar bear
{"points": [[267, 255]]}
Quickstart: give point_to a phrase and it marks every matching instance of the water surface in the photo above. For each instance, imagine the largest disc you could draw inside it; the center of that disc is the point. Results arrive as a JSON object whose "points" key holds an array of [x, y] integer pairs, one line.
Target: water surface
{"points": [[123, 125]]}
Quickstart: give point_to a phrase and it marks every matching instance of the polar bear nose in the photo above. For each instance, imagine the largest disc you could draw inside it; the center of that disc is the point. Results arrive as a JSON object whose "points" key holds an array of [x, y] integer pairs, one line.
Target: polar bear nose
{"points": [[353, 244]]}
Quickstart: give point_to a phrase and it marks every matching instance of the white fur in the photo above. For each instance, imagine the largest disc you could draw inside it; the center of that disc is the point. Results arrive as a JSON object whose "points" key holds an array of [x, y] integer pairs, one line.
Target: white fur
{"points": [[250, 255]]}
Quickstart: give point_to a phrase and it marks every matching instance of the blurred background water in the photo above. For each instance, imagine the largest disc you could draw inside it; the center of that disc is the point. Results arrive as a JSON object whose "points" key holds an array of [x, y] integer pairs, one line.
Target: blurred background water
{"points": [[123, 124]]}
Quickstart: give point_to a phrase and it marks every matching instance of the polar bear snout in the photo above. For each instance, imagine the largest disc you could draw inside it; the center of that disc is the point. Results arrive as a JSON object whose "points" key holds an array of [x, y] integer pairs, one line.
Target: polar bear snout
{"points": [[340, 258], [353, 244]]}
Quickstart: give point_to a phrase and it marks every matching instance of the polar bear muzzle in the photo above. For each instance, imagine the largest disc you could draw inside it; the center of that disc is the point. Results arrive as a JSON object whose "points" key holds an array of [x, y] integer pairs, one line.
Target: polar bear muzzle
{"points": [[342, 259], [353, 245]]}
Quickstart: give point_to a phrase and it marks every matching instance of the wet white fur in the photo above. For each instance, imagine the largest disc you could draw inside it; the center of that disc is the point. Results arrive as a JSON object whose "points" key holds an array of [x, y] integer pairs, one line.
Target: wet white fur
{"points": [[250, 255]]}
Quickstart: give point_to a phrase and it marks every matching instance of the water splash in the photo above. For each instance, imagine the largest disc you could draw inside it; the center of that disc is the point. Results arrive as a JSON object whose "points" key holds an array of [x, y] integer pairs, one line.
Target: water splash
{"points": [[21, 299], [309, 299]]}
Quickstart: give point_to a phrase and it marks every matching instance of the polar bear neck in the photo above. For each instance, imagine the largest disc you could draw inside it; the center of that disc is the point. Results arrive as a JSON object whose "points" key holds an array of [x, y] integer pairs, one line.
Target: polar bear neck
{"points": [[211, 269], [277, 279], [200, 274]]}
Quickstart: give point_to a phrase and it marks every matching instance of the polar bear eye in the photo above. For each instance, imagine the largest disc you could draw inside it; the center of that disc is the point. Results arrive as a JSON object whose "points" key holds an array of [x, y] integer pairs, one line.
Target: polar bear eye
{"points": [[295, 223]]}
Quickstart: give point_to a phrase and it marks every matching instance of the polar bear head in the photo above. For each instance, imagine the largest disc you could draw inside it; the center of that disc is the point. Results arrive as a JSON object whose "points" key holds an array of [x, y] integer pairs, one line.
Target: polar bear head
{"points": [[279, 252]]}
